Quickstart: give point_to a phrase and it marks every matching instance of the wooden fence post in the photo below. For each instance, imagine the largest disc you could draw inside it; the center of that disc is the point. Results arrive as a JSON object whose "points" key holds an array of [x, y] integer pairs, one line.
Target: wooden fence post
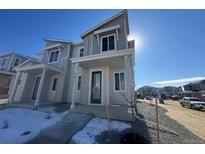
{"points": [[157, 118]]}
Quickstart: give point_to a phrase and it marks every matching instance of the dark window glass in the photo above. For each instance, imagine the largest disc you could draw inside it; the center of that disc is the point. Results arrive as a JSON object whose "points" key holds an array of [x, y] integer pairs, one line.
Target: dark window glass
{"points": [[122, 81], [81, 52], [56, 54], [105, 44], [117, 84], [16, 62], [54, 84], [51, 57], [79, 82], [111, 43], [119, 81], [3, 62]]}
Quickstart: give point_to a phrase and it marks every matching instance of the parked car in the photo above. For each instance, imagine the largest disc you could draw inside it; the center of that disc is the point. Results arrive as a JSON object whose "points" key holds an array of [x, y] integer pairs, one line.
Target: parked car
{"points": [[161, 101], [149, 98], [175, 97], [192, 102]]}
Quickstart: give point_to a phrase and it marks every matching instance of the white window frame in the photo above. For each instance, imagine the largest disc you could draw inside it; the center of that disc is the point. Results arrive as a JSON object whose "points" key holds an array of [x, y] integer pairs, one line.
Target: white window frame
{"points": [[15, 60], [83, 51], [108, 43], [53, 83], [119, 80], [50, 56]]}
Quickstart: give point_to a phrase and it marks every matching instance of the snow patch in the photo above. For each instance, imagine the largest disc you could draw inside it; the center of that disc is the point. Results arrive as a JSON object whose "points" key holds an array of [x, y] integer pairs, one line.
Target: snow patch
{"points": [[95, 127], [23, 120]]}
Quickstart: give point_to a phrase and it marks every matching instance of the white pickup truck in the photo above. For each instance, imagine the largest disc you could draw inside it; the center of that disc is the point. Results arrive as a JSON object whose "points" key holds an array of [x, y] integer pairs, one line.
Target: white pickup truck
{"points": [[193, 103]]}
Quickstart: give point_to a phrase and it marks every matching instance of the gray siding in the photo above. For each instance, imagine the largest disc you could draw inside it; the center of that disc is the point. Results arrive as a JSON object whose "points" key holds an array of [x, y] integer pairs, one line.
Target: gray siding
{"points": [[64, 53], [93, 47]]}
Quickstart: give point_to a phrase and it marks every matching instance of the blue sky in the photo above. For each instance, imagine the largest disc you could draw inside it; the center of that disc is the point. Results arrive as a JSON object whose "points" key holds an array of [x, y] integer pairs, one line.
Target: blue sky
{"points": [[170, 43]]}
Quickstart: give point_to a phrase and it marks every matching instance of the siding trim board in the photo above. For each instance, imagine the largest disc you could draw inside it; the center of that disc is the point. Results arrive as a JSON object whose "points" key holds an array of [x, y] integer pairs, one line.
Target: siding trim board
{"points": [[107, 29], [103, 55]]}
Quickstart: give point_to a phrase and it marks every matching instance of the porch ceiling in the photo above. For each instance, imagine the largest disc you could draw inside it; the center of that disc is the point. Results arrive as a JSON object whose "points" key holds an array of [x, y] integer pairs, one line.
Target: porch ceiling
{"points": [[114, 62]]}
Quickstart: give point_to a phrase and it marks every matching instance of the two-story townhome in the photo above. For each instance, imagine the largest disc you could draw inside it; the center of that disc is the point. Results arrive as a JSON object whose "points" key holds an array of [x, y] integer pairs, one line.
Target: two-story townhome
{"points": [[7, 64], [97, 71]]}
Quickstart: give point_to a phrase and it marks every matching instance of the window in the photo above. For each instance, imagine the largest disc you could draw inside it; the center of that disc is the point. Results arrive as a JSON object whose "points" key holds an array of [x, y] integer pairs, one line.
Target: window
{"points": [[16, 62], [79, 83], [4, 61], [108, 43], [119, 81], [53, 56], [81, 52], [54, 84]]}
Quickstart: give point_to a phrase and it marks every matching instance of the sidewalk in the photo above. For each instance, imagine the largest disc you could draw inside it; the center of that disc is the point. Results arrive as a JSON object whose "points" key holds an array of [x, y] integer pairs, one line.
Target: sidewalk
{"points": [[62, 131]]}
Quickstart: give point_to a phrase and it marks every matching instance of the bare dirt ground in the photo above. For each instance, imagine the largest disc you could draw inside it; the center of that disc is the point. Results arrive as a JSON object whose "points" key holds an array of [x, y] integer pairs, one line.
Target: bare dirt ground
{"points": [[192, 120], [178, 125]]}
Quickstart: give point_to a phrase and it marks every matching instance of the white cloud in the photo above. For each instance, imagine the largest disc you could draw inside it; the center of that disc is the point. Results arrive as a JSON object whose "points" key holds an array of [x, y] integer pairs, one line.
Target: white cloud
{"points": [[178, 82]]}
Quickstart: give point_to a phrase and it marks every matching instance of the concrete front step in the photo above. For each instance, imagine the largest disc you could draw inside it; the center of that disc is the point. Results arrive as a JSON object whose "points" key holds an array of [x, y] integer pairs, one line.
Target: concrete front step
{"points": [[62, 131]]}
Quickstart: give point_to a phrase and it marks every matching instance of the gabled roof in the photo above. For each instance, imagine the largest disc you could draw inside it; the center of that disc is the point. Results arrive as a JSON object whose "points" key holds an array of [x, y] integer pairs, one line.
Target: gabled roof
{"points": [[18, 54], [57, 40], [28, 60], [106, 21]]}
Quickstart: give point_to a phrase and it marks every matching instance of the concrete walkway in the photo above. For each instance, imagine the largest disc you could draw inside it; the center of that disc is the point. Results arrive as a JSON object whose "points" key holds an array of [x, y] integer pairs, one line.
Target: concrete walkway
{"points": [[62, 131], [116, 112]]}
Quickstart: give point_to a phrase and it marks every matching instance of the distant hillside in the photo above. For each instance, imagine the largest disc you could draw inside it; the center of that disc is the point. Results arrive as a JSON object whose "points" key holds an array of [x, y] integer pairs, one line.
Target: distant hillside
{"points": [[154, 92]]}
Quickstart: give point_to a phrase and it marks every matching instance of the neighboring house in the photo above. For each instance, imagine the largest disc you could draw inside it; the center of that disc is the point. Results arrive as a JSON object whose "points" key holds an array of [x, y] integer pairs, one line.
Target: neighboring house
{"points": [[7, 64], [97, 71]]}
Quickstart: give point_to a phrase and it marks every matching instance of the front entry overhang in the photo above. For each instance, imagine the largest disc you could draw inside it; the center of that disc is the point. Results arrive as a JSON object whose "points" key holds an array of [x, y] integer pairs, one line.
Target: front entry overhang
{"points": [[39, 67], [113, 58]]}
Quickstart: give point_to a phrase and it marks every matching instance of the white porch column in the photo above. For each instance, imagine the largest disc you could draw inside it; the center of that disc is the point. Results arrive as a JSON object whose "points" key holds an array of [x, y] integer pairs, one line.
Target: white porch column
{"points": [[14, 87], [128, 77], [108, 88], [40, 88], [74, 85]]}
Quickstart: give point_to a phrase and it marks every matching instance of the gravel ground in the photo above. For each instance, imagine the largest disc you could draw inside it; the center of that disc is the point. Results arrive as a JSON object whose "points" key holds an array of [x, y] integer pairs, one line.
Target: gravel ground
{"points": [[170, 132]]}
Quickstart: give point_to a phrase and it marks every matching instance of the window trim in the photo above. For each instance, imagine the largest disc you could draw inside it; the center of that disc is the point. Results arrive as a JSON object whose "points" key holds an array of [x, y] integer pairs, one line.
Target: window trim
{"points": [[115, 41], [83, 51], [15, 60], [54, 62], [119, 80], [53, 79]]}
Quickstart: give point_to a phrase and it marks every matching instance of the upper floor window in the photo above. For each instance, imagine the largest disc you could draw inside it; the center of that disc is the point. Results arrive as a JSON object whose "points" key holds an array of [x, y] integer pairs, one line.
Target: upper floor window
{"points": [[81, 52], [108, 43], [4, 61], [54, 55], [119, 81], [16, 62]]}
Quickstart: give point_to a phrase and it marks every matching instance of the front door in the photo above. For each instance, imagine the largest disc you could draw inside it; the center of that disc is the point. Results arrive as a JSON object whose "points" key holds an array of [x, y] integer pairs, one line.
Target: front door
{"points": [[35, 90], [96, 87]]}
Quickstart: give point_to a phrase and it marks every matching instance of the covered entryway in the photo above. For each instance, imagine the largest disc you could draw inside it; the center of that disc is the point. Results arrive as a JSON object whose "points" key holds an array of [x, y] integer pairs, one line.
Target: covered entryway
{"points": [[100, 85], [32, 85]]}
